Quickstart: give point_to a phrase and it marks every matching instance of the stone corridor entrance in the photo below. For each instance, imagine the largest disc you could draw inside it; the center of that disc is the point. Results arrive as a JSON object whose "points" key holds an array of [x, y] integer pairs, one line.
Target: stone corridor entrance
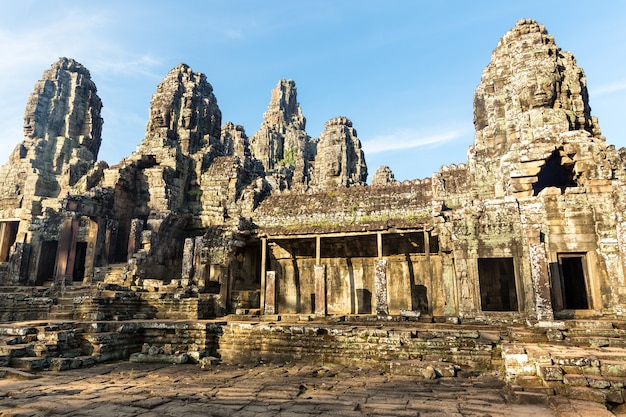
{"points": [[571, 286], [497, 284]]}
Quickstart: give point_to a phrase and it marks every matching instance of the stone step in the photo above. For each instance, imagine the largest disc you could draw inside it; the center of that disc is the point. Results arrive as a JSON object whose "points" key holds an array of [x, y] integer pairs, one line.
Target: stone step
{"points": [[589, 324], [10, 340], [15, 374], [61, 315], [63, 364], [18, 350], [30, 363], [17, 330]]}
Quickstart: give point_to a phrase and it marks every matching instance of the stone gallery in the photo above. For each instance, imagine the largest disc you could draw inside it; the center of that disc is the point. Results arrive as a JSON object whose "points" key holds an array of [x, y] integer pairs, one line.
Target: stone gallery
{"points": [[203, 221]]}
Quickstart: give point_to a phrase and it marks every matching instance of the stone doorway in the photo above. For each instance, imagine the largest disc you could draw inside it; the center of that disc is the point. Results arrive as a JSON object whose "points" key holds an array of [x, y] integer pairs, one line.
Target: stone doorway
{"points": [[496, 278], [571, 287], [47, 261], [78, 274]]}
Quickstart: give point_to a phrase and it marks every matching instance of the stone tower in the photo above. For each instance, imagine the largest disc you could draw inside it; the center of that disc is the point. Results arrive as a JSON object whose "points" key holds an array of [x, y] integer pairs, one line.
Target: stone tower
{"points": [[62, 135], [281, 143], [340, 161], [531, 94]]}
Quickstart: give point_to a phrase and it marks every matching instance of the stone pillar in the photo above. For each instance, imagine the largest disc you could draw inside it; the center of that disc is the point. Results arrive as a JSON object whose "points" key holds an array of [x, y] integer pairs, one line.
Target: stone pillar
{"points": [[380, 287], [67, 251], [540, 281], [100, 247], [450, 308], [4, 241], [270, 293], [379, 244], [188, 261], [222, 279], [319, 272], [134, 237], [200, 263], [263, 274], [318, 250], [110, 241], [19, 262]]}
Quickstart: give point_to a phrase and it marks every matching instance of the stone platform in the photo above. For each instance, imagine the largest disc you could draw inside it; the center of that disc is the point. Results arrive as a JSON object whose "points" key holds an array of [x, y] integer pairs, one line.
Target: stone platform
{"points": [[295, 390], [540, 362]]}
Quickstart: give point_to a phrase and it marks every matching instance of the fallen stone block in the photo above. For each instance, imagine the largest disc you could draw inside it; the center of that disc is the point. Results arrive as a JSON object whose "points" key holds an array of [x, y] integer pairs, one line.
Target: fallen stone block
{"points": [[169, 359]]}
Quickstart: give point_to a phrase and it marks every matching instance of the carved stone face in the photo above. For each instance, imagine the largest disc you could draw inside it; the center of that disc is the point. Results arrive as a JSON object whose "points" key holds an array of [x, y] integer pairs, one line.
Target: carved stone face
{"points": [[535, 90]]}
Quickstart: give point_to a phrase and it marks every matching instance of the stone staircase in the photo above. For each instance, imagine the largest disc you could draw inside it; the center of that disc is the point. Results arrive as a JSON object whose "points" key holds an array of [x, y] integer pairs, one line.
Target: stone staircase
{"points": [[61, 345], [111, 274], [24, 303], [579, 359]]}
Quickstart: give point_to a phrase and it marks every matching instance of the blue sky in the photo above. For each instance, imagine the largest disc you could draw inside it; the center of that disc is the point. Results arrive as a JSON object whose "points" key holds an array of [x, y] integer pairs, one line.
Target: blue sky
{"points": [[403, 71]]}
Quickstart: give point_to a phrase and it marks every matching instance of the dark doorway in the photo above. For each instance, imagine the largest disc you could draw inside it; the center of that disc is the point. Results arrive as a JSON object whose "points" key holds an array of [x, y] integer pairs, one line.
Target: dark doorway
{"points": [[573, 292], [496, 278], [364, 300], [47, 261], [79, 263]]}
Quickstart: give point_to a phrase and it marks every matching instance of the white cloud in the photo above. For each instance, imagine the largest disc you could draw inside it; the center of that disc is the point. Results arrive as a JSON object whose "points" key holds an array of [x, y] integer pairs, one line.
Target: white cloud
{"points": [[608, 89], [408, 138]]}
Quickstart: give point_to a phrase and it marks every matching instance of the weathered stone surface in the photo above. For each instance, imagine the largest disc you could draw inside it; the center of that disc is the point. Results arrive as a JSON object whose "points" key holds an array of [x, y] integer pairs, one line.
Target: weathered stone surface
{"points": [[202, 222], [183, 112], [340, 161], [62, 136], [383, 176], [282, 144]]}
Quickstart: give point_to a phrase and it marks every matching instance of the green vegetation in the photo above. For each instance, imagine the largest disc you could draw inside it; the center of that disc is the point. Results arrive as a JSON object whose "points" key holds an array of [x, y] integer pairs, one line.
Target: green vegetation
{"points": [[289, 157], [196, 192]]}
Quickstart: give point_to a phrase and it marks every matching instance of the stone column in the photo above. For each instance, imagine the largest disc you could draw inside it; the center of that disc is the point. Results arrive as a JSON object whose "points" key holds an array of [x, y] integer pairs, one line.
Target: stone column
{"points": [[134, 237], [318, 250], [188, 261], [380, 287], [263, 275], [100, 247], [110, 241], [199, 275], [540, 281], [450, 308], [270, 293], [320, 289], [67, 251], [19, 261], [4, 241]]}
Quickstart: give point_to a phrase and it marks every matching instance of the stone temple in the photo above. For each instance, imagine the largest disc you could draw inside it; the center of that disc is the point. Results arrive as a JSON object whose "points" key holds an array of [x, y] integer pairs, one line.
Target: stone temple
{"points": [[205, 237]]}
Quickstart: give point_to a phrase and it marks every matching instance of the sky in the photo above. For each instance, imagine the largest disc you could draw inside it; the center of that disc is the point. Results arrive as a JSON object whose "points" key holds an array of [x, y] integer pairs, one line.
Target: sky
{"points": [[404, 71]]}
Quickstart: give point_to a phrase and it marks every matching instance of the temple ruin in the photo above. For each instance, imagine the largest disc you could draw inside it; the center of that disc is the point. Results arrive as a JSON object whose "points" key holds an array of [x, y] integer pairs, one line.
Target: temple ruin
{"points": [[203, 221]]}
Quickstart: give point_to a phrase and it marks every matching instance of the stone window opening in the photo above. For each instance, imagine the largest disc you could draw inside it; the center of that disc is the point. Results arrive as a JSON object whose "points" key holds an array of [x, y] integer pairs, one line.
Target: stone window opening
{"points": [[496, 278], [570, 284], [558, 171]]}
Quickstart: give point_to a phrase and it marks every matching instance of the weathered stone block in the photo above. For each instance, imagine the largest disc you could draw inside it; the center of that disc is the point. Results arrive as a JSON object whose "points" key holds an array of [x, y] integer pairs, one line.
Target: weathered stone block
{"points": [[551, 373], [575, 380], [586, 394], [611, 368], [598, 382]]}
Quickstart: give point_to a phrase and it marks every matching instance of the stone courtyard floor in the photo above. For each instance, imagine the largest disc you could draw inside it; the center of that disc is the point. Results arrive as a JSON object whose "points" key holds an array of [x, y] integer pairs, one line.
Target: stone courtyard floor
{"points": [[131, 389]]}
